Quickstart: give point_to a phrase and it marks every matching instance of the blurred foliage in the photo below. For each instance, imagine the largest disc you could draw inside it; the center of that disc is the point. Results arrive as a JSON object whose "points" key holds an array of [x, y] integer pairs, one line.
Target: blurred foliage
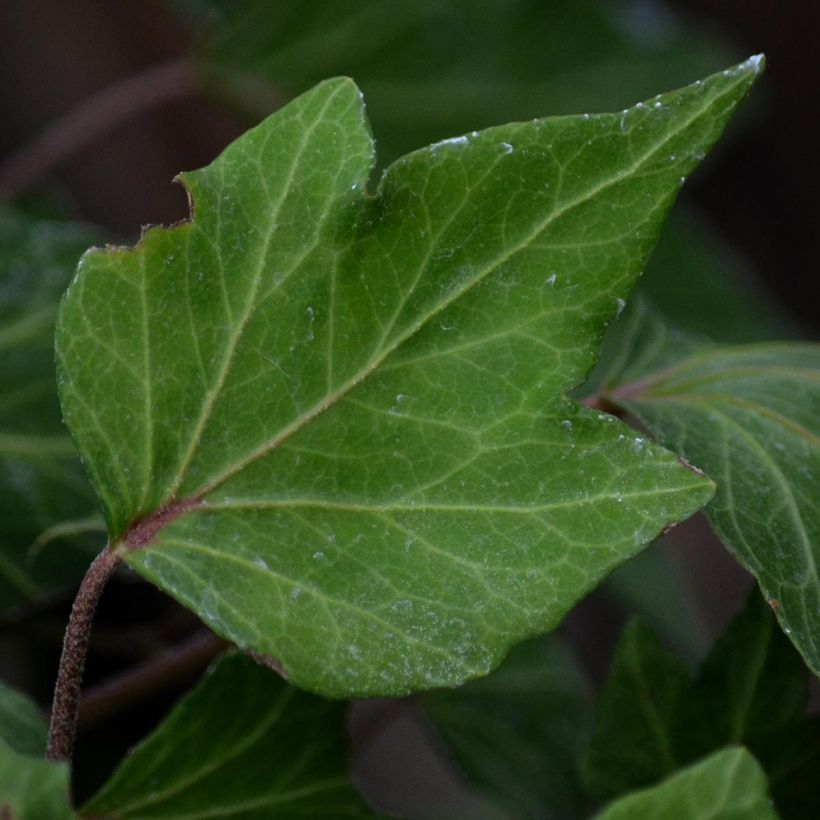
{"points": [[752, 689], [41, 480]]}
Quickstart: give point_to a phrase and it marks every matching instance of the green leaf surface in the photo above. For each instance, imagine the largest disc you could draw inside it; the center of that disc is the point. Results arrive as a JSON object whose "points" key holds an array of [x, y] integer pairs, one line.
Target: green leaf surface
{"points": [[634, 741], [517, 734], [41, 480], [334, 423], [729, 785], [242, 744], [750, 417], [433, 68], [22, 725], [32, 788]]}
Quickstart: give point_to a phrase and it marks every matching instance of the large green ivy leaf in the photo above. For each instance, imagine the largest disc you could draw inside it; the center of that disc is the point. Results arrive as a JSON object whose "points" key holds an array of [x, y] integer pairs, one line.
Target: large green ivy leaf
{"points": [[334, 423], [41, 480], [242, 744], [518, 733], [729, 785], [750, 417]]}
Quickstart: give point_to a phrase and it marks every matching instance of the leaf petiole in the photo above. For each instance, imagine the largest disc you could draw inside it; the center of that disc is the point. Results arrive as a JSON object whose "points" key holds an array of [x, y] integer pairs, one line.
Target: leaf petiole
{"points": [[65, 707]]}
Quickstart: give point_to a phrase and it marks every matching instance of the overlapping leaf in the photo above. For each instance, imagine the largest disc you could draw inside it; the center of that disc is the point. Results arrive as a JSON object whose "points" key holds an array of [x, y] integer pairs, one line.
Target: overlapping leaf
{"points": [[275, 752], [334, 424], [728, 785], [41, 481], [750, 417]]}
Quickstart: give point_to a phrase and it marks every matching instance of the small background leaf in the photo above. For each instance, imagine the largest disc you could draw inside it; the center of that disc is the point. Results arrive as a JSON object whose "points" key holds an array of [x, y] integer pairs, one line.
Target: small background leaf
{"points": [[729, 785], [244, 744], [751, 689], [22, 725], [30, 788], [634, 741]]}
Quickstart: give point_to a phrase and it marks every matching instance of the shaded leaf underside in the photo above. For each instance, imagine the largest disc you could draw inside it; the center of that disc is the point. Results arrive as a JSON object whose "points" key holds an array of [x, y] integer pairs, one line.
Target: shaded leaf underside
{"points": [[334, 425], [750, 417], [276, 752]]}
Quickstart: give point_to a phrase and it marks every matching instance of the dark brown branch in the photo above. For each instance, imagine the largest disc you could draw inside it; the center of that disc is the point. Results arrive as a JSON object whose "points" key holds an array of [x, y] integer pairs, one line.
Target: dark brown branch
{"points": [[93, 119], [64, 709], [177, 664]]}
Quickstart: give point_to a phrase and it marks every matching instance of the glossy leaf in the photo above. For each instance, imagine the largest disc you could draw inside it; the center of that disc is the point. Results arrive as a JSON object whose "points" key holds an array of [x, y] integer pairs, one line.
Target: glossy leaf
{"points": [[517, 734], [634, 741], [32, 788], [41, 480], [334, 424], [22, 725], [750, 417], [729, 785], [242, 744]]}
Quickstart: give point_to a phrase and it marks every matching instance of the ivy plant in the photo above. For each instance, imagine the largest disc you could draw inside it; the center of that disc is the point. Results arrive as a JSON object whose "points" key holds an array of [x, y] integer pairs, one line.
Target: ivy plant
{"points": [[352, 420]]}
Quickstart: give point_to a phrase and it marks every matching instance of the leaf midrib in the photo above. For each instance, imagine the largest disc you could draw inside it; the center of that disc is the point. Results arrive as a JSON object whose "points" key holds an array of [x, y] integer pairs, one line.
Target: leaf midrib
{"points": [[330, 400]]}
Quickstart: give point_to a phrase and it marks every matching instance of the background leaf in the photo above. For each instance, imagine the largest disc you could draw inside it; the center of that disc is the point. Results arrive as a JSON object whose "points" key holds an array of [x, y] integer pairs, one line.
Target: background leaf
{"points": [[32, 788], [517, 734], [749, 416], [634, 741], [751, 689], [729, 785], [41, 480], [456, 65], [242, 744], [22, 725], [347, 446]]}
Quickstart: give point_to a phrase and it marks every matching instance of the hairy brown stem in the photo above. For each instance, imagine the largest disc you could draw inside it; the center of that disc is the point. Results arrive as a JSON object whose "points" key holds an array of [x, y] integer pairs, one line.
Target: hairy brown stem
{"points": [[145, 679], [66, 702], [93, 119]]}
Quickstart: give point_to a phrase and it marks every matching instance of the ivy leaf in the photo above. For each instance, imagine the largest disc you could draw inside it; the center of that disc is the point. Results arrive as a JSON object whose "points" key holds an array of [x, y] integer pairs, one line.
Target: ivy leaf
{"points": [[334, 423], [275, 752], [729, 784], [41, 480], [634, 741], [750, 417], [22, 725], [518, 733]]}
